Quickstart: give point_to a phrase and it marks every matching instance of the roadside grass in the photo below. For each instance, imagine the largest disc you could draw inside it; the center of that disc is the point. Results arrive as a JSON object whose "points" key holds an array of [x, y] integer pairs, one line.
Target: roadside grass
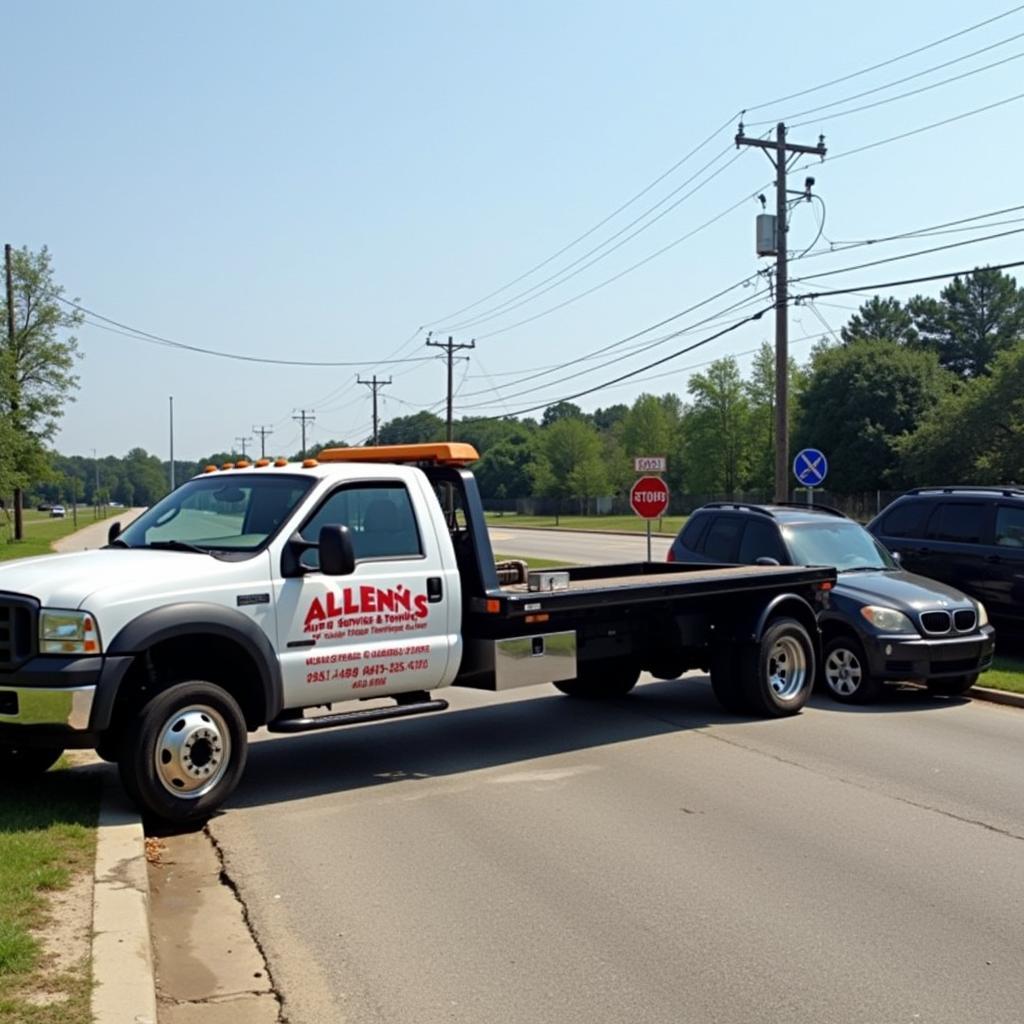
{"points": [[47, 838], [1005, 674], [534, 563], [40, 532], [669, 526]]}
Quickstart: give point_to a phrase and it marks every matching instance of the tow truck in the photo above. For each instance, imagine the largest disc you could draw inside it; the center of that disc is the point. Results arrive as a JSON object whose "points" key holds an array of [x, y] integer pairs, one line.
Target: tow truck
{"points": [[295, 595]]}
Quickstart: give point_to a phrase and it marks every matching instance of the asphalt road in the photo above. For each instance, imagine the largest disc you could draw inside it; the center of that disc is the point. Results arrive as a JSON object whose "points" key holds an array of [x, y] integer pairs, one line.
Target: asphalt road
{"points": [[579, 548], [531, 859]]}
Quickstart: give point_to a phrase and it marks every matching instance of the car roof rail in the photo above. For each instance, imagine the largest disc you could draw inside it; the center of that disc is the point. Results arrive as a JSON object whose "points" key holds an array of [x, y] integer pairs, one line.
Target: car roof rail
{"points": [[830, 509], [1009, 491], [739, 505]]}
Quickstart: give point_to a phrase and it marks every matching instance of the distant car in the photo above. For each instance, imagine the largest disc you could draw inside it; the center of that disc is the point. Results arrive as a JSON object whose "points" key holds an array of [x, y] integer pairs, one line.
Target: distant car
{"points": [[969, 537], [881, 624], [57, 512], [116, 504]]}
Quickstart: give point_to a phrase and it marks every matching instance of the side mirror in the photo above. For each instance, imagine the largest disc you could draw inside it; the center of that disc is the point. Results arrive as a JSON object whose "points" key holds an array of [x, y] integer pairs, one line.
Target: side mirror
{"points": [[766, 560], [337, 555], [896, 558], [114, 532]]}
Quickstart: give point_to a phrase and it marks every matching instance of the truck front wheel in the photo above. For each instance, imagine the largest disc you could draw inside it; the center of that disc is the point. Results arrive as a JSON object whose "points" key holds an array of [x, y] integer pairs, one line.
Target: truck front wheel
{"points": [[185, 753], [608, 679], [777, 673]]}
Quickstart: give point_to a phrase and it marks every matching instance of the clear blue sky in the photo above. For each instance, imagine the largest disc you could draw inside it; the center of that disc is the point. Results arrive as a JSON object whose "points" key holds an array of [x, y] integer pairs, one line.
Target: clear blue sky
{"points": [[317, 180]]}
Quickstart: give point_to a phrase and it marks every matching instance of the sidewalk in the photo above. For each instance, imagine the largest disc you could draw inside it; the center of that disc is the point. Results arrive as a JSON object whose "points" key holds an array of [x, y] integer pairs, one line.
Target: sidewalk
{"points": [[95, 534]]}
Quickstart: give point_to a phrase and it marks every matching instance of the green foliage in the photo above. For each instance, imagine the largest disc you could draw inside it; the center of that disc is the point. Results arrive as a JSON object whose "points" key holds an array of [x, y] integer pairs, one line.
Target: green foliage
{"points": [[419, 428], [509, 468], [881, 320], [571, 466], [860, 400], [716, 429], [562, 411], [974, 434]]}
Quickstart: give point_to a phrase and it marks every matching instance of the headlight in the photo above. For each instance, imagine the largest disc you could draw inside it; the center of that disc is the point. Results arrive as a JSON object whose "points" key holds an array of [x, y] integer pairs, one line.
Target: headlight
{"points": [[62, 632], [887, 619], [982, 614]]}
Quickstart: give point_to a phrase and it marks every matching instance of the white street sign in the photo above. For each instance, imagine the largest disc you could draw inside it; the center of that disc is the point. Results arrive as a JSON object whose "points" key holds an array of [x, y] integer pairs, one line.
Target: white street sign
{"points": [[650, 463]]}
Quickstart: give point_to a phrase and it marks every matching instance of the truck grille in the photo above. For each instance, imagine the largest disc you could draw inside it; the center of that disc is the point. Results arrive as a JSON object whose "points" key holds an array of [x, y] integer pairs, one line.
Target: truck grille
{"points": [[965, 619], [935, 622], [17, 631]]}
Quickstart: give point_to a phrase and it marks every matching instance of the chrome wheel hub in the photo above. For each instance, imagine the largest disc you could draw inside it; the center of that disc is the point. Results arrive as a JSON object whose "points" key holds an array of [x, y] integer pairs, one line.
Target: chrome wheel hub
{"points": [[787, 668], [843, 672], [193, 751]]}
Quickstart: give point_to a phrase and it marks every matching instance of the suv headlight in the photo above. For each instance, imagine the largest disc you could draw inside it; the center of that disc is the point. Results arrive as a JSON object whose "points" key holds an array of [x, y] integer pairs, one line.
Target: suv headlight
{"points": [[66, 632], [887, 619], [982, 614]]}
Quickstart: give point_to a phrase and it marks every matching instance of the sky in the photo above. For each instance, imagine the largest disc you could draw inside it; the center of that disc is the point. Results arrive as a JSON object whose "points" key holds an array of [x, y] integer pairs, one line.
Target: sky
{"points": [[326, 182]]}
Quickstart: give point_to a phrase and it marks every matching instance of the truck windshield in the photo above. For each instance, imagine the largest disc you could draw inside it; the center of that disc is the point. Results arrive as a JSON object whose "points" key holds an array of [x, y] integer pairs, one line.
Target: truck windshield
{"points": [[845, 545], [219, 513]]}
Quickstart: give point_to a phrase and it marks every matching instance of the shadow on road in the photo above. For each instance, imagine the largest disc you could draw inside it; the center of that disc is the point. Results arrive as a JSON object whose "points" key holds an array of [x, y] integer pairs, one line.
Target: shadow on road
{"points": [[452, 742]]}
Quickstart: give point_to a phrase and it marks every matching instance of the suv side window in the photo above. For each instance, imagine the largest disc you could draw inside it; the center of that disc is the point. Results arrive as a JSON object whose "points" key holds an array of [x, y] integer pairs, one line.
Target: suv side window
{"points": [[905, 520], [957, 521], [761, 540], [1010, 526], [723, 539], [380, 517], [693, 531]]}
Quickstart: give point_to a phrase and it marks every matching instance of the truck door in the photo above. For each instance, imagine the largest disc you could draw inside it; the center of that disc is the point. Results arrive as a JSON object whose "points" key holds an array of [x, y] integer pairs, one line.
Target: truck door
{"points": [[381, 630]]}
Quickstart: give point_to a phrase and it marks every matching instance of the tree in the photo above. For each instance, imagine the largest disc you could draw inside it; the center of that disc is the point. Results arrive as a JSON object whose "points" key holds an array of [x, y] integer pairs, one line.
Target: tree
{"points": [[509, 468], [572, 466], [859, 401], [716, 429], [608, 419], [760, 392], [562, 411], [419, 428], [36, 378], [975, 434], [880, 320], [973, 319], [647, 428]]}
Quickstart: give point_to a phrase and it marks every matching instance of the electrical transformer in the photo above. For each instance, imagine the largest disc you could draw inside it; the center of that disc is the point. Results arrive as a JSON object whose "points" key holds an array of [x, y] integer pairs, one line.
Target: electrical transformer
{"points": [[766, 244]]}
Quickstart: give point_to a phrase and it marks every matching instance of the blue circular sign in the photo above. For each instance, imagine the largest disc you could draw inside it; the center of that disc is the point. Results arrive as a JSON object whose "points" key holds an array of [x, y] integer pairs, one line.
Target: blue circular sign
{"points": [[810, 467]]}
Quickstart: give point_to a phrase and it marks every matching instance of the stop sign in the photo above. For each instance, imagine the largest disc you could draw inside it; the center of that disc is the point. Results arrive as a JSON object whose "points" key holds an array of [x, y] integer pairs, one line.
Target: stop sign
{"points": [[649, 497]]}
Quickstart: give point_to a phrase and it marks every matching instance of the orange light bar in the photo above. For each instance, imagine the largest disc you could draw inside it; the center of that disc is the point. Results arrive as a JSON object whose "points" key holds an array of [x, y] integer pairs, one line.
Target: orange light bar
{"points": [[309, 463], [281, 462], [243, 464], [228, 465], [440, 454], [260, 463], [210, 469]]}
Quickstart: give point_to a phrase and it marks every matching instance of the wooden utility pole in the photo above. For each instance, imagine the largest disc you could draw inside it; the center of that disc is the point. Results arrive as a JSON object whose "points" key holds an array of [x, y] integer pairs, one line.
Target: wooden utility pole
{"points": [[451, 348], [375, 386], [243, 441], [262, 431], [304, 417], [19, 526], [783, 150]]}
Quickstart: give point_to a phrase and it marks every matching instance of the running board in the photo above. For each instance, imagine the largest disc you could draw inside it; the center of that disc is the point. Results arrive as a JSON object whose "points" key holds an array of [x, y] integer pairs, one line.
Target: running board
{"points": [[355, 717]]}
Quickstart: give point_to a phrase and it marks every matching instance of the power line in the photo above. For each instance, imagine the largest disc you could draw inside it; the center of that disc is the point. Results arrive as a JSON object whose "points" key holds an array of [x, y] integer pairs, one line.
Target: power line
{"points": [[890, 61], [868, 288]]}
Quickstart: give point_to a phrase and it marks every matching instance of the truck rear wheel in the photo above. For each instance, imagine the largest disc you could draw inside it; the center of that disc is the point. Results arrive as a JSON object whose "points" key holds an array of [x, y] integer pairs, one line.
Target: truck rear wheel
{"points": [[185, 753], [606, 680], [777, 673], [18, 764]]}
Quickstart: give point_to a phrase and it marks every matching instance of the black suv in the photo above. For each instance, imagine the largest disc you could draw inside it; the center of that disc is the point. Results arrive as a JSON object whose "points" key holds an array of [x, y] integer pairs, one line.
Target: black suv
{"points": [[970, 537], [879, 623]]}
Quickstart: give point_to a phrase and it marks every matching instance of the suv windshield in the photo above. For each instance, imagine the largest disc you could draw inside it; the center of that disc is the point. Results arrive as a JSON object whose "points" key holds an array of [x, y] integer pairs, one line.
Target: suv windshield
{"points": [[844, 544], [219, 513]]}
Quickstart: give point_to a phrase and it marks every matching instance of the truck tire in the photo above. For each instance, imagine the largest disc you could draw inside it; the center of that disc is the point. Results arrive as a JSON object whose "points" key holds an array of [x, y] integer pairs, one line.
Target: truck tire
{"points": [[777, 673], [607, 680], [957, 686], [185, 752], [846, 673], [725, 681], [19, 764]]}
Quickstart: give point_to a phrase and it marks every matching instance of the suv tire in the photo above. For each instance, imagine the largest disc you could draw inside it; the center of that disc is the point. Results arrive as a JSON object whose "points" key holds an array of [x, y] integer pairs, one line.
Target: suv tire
{"points": [[845, 672]]}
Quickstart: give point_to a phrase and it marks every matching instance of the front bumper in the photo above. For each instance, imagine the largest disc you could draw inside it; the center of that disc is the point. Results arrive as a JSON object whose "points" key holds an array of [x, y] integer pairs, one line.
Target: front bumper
{"points": [[919, 658]]}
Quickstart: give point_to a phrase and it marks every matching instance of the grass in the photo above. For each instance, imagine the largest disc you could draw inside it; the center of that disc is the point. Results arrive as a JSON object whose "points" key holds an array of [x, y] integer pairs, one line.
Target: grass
{"points": [[534, 563], [669, 525], [47, 837], [40, 533], [1005, 674]]}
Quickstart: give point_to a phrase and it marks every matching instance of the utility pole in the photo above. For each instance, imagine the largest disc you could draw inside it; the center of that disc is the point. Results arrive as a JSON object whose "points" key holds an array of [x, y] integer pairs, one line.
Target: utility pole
{"points": [[783, 151], [304, 417], [243, 441], [451, 348], [375, 386], [262, 431], [96, 486], [19, 529], [171, 401]]}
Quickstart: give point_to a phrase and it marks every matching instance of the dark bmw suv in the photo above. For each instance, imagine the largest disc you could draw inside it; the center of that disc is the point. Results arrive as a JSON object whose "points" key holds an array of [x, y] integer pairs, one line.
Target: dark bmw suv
{"points": [[969, 537], [880, 623]]}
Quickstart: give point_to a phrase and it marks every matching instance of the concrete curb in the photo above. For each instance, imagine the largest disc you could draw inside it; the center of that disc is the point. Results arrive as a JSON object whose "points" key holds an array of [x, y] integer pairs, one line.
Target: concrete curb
{"points": [[124, 982], [1014, 700]]}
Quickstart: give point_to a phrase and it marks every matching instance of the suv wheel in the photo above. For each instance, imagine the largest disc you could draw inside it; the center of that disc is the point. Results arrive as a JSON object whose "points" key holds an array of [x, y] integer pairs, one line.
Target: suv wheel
{"points": [[845, 672]]}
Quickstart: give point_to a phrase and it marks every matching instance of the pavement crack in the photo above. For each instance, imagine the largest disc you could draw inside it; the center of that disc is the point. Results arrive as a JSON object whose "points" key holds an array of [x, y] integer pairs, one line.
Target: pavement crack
{"points": [[227, 881]]}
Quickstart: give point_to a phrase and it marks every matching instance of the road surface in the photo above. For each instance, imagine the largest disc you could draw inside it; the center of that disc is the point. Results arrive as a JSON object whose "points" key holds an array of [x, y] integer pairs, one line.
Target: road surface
{"points": [[577, 547], [530, 859]]}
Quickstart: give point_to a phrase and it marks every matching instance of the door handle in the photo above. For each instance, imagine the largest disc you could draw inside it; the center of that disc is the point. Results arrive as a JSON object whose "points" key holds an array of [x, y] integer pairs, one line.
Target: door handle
{"points": [[435, 589]]}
